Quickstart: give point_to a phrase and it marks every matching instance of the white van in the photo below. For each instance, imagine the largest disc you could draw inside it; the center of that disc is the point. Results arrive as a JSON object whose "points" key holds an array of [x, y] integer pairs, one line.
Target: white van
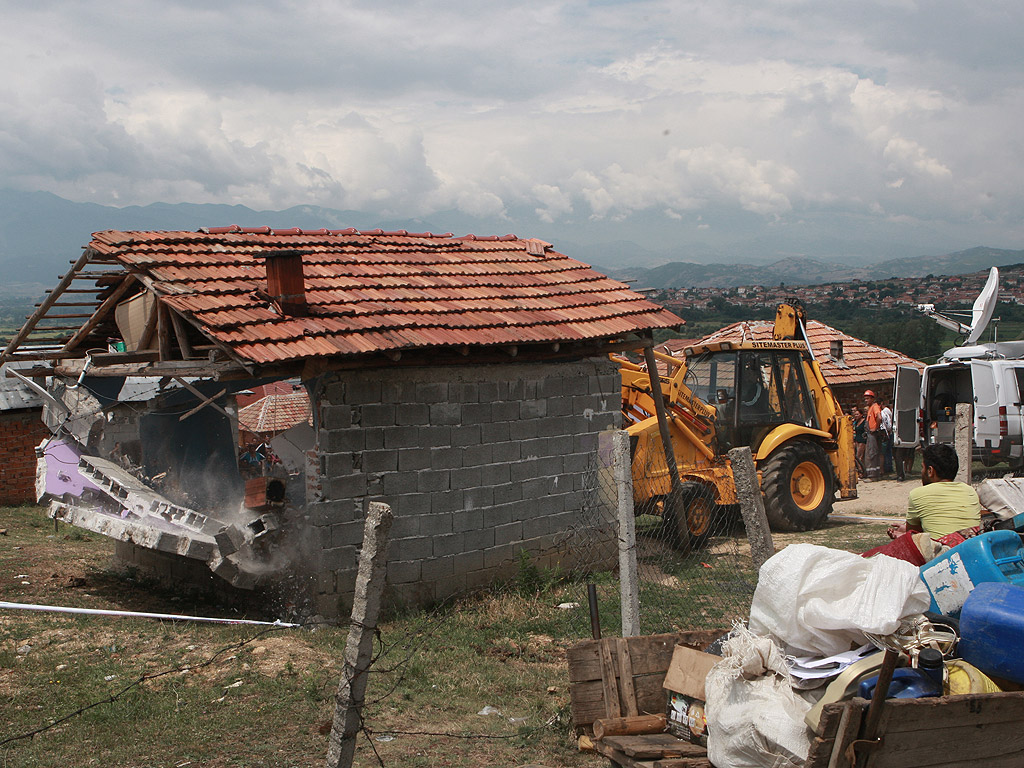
{"points": [[988, 376]]}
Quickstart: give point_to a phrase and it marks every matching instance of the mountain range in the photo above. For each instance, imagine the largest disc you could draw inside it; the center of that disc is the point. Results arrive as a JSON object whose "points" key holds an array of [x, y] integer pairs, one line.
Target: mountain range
{"points": [[41, 232]]}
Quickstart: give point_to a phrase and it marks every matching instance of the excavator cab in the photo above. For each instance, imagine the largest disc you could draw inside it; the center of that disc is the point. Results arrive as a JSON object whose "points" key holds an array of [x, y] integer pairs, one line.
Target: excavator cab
{"points": [[753, 391]]}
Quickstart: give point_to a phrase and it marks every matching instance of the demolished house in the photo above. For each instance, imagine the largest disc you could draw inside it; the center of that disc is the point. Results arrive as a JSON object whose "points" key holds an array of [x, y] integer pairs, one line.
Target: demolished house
{"points": [[464, 381]]}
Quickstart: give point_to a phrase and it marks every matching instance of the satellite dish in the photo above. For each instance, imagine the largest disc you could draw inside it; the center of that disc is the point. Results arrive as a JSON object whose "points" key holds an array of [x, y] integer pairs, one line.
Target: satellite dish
{"points": [[984, 306]]}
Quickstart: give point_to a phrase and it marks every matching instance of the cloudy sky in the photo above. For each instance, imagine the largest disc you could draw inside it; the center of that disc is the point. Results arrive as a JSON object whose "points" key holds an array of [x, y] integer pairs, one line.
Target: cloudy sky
{"points": [[805, 122]]}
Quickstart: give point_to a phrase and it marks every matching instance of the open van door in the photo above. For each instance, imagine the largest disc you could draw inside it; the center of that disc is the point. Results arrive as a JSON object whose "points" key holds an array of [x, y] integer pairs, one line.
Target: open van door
{"points": [[988, 427], [906, 403]]}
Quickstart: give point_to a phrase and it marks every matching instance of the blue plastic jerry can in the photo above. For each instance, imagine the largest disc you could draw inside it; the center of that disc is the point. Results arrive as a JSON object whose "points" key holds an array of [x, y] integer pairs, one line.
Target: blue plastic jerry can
{"points": [[996, 556], [992, 630]]}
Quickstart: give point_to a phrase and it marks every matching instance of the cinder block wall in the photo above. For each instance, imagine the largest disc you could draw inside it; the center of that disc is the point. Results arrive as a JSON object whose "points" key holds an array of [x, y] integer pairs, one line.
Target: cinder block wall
{"points": [[20, 433], [477, 463]]}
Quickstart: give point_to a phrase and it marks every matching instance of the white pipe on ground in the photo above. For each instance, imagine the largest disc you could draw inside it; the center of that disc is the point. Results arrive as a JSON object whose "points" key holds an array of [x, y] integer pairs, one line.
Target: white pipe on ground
{"points": [[141, 615]]}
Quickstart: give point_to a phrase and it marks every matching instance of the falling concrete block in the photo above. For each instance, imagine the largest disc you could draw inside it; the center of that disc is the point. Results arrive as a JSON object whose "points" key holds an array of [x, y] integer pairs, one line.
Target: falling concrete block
{"points": [[229, 540]]}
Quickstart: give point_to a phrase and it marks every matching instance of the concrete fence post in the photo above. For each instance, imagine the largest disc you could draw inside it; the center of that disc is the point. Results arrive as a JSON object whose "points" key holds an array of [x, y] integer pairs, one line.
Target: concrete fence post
{"points": [[628, 576], [962, 429], [370, 578], [748, 490]]}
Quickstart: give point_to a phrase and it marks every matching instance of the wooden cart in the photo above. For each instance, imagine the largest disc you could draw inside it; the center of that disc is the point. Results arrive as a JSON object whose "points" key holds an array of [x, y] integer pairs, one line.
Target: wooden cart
{"points": [[622, 676]]}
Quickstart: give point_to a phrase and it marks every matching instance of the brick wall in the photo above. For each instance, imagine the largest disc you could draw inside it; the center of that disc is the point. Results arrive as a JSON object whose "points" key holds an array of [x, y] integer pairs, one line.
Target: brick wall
{"points": [[476, 462], [20, 433]]}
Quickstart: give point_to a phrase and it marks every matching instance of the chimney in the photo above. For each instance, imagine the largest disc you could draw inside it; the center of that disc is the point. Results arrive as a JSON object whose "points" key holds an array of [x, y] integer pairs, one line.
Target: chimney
{"points": [[835, 349], [285, 282]]}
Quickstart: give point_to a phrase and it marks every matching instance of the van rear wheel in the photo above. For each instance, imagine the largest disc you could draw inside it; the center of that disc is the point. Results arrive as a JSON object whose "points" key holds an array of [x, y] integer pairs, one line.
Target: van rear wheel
{"points": [[798, 487]]}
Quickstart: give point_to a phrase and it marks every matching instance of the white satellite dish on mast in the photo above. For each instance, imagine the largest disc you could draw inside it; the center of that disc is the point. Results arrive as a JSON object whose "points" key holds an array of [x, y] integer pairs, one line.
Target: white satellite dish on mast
{"points": [[981, 313]]}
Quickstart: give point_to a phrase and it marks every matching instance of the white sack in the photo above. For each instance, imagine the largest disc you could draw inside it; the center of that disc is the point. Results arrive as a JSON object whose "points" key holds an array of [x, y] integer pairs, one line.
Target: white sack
{"points": [[820, 601], [755, 719], [1003, 497]]}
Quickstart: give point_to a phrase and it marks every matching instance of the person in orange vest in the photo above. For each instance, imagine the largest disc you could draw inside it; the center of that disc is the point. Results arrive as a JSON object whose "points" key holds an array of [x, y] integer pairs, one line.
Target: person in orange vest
{"points": [[873, 450]]}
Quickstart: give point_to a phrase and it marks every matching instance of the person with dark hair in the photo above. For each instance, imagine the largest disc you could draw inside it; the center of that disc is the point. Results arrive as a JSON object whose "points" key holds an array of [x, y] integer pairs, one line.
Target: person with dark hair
{"points": [[941, 506]]}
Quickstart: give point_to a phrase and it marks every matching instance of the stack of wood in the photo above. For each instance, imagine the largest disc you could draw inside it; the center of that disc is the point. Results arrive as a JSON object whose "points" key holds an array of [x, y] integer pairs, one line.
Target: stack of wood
{"points": [[618, 702]]}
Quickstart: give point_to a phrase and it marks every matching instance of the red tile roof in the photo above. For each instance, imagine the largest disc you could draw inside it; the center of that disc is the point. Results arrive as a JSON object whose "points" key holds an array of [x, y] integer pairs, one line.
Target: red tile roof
{"points": [[276, 413], [374, 291], [861, 361]]}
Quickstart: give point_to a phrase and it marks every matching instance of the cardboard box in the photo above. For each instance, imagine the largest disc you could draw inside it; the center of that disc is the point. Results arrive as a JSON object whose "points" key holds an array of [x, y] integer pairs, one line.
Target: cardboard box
{"points": [[684, 682]]}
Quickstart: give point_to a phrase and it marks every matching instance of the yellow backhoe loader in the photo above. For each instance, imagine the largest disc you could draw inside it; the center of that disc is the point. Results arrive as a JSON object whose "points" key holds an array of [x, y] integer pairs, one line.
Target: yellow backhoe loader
{"points": [[770, 396]]}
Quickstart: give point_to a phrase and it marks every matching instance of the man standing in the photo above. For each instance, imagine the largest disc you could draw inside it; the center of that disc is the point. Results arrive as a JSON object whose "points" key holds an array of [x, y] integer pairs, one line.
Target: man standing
{"points": [[886, 423], [941, 506], [873, 450]]}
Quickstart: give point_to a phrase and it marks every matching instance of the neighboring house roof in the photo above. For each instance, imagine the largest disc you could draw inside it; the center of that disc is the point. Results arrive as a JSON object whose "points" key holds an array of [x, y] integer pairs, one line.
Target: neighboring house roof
{"points": [[16, 395], [365, 292], [861, 361], [276, 413]]}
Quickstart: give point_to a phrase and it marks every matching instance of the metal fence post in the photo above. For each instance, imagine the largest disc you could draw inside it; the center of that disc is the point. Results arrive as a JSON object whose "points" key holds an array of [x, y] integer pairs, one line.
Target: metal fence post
{"points": [[628, 577]]}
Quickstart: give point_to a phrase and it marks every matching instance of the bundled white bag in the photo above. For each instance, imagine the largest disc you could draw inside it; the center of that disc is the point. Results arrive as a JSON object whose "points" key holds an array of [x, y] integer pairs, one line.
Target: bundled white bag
{"points": [[820, 601], [755, 719]]}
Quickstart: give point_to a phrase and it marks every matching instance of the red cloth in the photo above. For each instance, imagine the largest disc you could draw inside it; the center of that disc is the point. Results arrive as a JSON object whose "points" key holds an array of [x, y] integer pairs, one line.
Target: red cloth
{"points": [[902, 548]]}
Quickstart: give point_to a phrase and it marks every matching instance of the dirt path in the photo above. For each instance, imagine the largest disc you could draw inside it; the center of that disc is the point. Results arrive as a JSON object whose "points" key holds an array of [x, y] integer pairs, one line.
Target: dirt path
{"points": [[885, 498]]}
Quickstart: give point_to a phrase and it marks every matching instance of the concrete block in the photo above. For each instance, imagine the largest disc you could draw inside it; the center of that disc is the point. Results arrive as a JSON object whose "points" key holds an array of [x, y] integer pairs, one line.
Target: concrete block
{"points": [[533, 409], [402, 437], [476, 413], [434, 392], [448, 544], [584, 443], [374, 484], [464, 392], [445, 414], [335, 440], [467, 520], [336, 416], [529, 469], [429, 481], [229, 540], [405, 526], [496, 556], [435, 437], [435, 524], [412, 414], [400, 483], [403, 571], [488, 391], [379, 415], [338, 464], [477, 498], [495, 474], [413, 504], [494, 433], [560, 445], [437, 568], [479, 579], [373, 438], [523, 430], [338, 558], [445, 458], [505, 452], [411, 459], [363, 388], [576, 462], [465, 435], [445, 502], [561, 425], [505, 410], [478, 540], [550, 386], [326, 582], [508, 533], [575, 385], [450, 586], [415, 548], [497, 515], [503, 494], [534, 527], [477, 455], [466, 477], [380, 461], [538, 487], [469, 561]]}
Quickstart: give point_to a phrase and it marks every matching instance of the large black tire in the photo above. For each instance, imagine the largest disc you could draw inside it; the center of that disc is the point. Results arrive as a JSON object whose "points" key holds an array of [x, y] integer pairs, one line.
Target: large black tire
{"points": [[691, 519], [798, 487]]}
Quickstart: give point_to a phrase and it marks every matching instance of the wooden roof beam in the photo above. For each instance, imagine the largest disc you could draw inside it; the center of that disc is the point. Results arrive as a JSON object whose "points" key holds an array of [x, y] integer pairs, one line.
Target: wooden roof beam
{"points": [[100, 314]]}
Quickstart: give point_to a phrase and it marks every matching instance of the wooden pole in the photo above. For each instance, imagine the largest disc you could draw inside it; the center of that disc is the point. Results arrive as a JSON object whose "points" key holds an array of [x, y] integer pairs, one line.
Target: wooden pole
{"points": [[629, 592], [748, 491], [628, 726], [666, 444], [366, 603]]}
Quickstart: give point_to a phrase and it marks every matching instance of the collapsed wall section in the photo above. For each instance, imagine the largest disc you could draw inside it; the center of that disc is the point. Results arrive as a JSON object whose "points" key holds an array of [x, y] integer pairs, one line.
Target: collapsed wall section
{"points": [[477, 463]]}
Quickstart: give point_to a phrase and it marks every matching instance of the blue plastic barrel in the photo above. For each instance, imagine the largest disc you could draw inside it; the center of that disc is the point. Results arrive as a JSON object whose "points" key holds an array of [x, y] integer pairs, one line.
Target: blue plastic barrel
{"points": [[992, 630], [906, 683], [996, 556]]}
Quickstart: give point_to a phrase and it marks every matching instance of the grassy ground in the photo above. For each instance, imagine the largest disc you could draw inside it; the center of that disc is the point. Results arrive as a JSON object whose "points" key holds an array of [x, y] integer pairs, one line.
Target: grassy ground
{"points": [[233, 696]]}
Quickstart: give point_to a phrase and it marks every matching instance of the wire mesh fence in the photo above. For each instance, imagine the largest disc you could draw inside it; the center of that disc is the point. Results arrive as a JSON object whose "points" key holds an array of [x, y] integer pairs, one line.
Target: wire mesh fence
{"points": [[693, 564]]}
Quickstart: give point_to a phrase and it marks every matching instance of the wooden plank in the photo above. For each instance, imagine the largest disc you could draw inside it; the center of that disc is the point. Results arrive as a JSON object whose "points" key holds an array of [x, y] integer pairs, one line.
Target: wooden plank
{"points": [[940, 713], [654, 745], [101, 313], [181, 333], [649, 653], [683, 762], [629, 726], [608, 681], [163, 331], [587, 699], [626, 677], [949, 745], [617, 757], [821, 747]]}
